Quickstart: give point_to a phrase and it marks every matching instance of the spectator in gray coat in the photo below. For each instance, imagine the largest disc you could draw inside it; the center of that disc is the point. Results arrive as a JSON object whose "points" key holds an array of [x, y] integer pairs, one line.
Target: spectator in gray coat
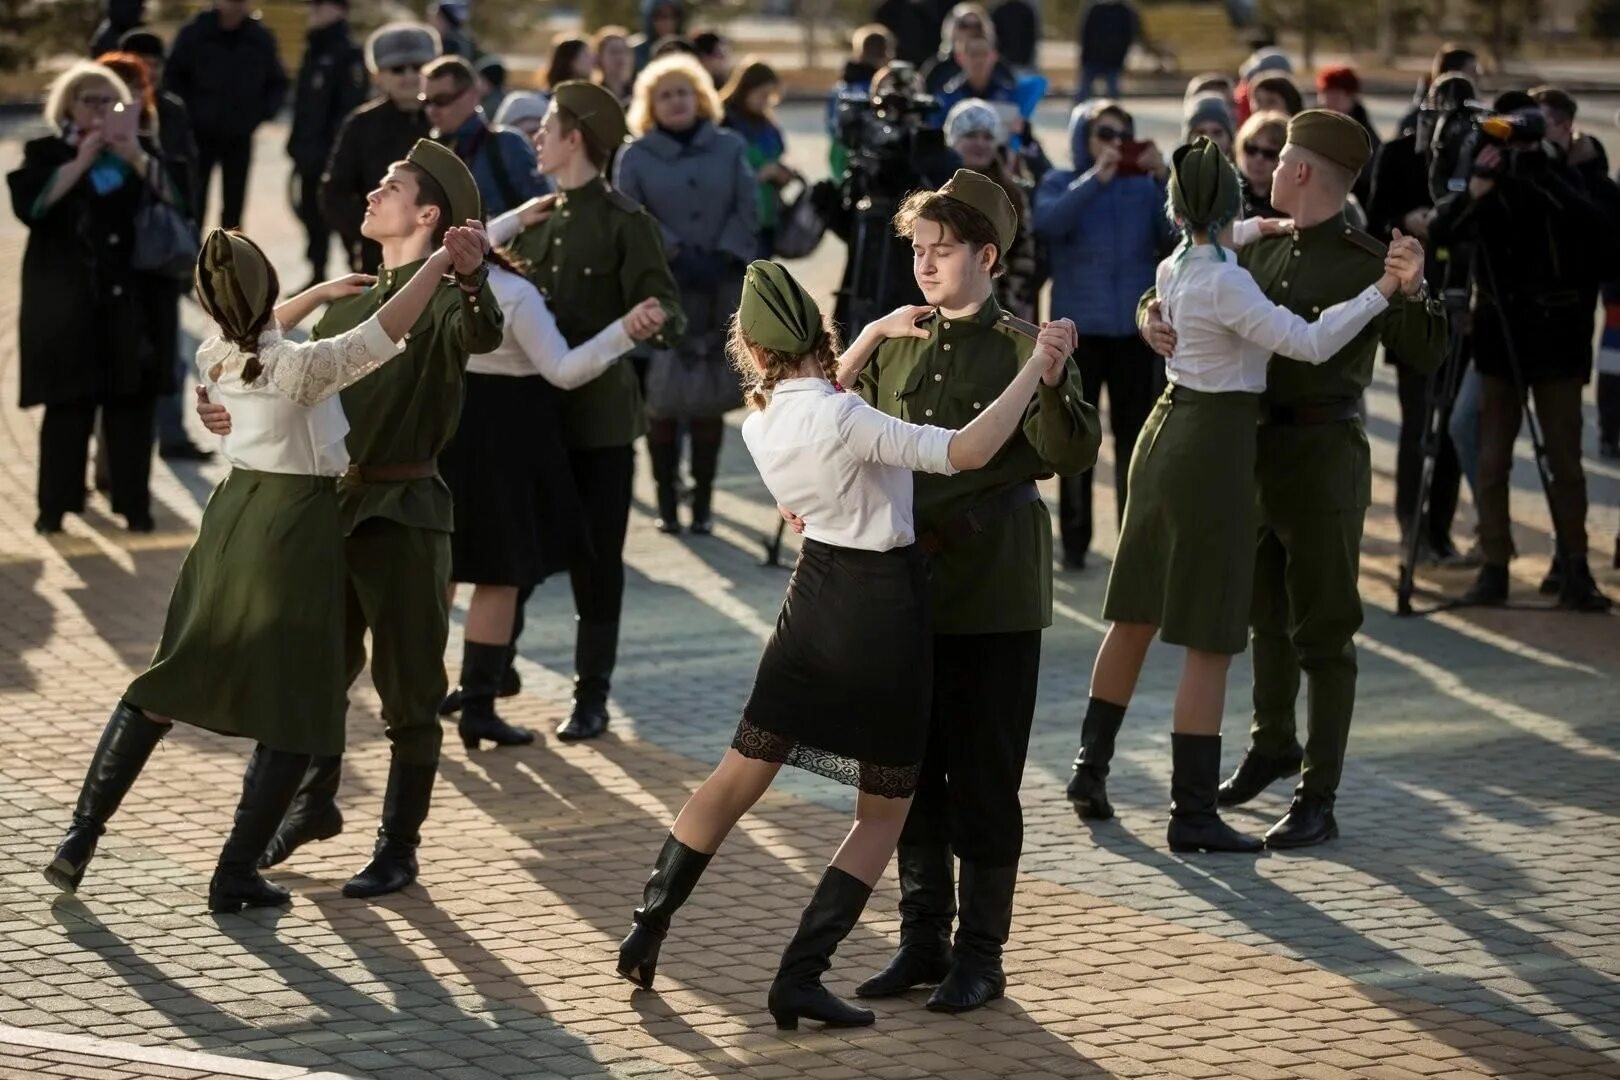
{"points": [[693, 176]]}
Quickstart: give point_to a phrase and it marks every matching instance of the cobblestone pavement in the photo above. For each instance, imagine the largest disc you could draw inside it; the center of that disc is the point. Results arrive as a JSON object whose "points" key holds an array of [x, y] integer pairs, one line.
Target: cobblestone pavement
{"points": [[1465, 925]]}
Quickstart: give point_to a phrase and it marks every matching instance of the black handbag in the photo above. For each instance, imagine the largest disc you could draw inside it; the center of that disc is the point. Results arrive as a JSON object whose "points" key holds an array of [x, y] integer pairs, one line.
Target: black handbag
{"points": [[799, 226], [166, 242]]}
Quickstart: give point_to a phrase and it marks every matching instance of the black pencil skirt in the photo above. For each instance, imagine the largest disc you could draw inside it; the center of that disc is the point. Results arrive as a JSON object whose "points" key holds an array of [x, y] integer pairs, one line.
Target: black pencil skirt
{"points": [[845, 683]]}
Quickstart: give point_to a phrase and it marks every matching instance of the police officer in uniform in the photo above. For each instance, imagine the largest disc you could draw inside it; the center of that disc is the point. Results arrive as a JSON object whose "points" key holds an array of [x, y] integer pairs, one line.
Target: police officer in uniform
{"points": [[378, 133], [1314, 474], [989, 539], [595, 254], [332, 82], [395, 510]]}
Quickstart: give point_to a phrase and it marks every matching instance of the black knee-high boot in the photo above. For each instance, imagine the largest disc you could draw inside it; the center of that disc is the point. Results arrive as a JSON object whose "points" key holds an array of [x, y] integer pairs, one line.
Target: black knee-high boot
{"points": [[126, 744], [665, 456], [1088, 788], [927, 911], [797, 993], [405, 807], [976, 976], [674, 876], [268, 787], [314, 814], [705, 466], [481, 667], [1195, 823]]}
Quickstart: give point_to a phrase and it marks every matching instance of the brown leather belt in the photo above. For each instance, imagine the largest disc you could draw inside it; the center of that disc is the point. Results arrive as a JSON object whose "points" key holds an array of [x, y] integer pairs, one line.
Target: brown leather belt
{"points": [[979, 517], [391, 474], [1302, 415]]}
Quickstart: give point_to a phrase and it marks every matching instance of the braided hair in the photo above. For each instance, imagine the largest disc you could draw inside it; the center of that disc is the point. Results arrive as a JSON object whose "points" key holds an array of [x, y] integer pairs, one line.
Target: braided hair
{"points": [[778, 365]]}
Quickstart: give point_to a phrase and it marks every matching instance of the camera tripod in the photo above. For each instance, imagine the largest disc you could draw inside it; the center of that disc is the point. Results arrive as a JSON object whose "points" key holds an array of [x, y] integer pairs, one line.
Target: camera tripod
{"points": [[1441, 397]]}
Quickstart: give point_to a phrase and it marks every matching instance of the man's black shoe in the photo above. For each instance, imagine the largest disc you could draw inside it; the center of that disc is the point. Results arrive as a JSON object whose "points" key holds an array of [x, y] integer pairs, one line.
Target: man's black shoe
{"points": [[184, 451], [1579, 591], [1256, 772], [1553, 583], [1309, 821], [1490, 589]]}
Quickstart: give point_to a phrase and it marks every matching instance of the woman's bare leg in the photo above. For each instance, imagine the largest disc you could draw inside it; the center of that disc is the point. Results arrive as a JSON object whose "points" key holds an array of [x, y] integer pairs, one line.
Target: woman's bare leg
{"points": [[489, 615], [1201, 696], [736, 784], [1119, 661], [871, 840]]}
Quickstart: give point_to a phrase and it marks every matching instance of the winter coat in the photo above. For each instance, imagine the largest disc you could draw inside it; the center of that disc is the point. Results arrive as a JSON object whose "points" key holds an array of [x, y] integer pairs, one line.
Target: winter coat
{"points": [[701, 192], [502, 162], [1018, 32], [84, 330], [332, 83], [374, 136], [642, 50], [1103, 241], [915, 25], [1107, 31], [231, 80]]}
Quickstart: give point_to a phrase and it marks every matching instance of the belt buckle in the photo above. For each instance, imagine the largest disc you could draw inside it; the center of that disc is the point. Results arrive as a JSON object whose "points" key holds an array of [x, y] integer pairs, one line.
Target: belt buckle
{"points": [[350, 478]]}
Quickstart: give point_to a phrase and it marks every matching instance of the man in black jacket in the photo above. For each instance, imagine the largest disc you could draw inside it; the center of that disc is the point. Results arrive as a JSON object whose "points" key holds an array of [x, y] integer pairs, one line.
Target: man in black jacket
{"points": [[378, 133], [122, 17], [224, 66], [332, 82]]}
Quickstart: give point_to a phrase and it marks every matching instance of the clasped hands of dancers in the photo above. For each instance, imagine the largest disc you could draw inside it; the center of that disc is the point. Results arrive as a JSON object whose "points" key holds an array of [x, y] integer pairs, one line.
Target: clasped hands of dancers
{"points": [[886, 662]]}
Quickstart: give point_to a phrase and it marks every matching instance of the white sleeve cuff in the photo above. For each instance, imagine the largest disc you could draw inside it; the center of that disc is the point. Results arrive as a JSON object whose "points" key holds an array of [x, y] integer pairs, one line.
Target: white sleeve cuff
{"points": [[504, 229], [936, 448], [378, 344]]}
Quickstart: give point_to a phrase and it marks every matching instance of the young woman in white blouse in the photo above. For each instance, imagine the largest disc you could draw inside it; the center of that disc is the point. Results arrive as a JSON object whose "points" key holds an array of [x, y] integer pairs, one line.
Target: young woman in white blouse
{"points": [[518, 518], [253, 641], [1184, 566], [843, 686]]}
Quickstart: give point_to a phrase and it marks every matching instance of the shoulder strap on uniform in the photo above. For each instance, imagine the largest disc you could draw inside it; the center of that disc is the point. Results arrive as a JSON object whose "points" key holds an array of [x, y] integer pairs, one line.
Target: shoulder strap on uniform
{"points": [[1365, 242], [621, 201]]}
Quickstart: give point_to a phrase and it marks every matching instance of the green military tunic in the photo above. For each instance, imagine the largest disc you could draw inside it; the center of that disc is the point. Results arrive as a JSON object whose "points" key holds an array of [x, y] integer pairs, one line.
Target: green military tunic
{"points": [[397, 544], [597, 256], [1315, 483], [999, 580]]}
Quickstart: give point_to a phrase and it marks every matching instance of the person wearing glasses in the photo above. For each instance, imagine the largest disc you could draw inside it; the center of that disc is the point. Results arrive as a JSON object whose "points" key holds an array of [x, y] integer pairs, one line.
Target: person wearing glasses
{"points": [[1104, 226], [226, 68], [502, 162], [378, 133], [1256, 152]]}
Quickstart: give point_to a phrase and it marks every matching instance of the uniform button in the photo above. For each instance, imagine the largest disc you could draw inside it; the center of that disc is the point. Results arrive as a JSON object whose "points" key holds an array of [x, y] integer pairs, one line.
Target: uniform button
{"points": [[118, 290], [1285, 284], [555, 268], [928, 412], [113, 239], [947, 346], [939, 378], [587, 271], [975, 404], [559, 241], [406, 336], [1315, 310], [897, 395], [947, 326], [1296, 253]]}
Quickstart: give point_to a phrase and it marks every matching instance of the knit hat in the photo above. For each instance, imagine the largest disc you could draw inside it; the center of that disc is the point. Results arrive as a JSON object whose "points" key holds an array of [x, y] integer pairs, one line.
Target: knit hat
{"points": [[232, 281], [1208, 109], [987, 197], [776, 312], [970, 115], [1210, 82], [521, 105], [441, 163], [1338, 77], [596, 110], [1203, 184], [1333, 135], [398, 43], [1261, 61]]}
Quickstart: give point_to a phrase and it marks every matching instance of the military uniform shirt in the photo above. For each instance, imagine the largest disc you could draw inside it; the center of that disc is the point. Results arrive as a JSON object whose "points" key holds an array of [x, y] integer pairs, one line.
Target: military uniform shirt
{"points": [[1000, 580], [406, 413]]}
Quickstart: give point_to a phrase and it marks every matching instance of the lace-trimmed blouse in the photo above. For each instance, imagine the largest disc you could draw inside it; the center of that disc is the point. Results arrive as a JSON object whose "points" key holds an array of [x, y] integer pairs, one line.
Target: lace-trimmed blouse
{"points": [[289, 419]]}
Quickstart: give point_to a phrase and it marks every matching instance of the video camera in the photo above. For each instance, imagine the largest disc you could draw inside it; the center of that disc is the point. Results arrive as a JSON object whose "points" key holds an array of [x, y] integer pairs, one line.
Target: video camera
{"points": [[886, 133], [1453, 137]]}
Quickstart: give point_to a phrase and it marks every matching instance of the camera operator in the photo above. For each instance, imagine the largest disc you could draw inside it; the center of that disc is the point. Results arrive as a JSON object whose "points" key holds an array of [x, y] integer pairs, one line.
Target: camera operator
{"points": [[890, 152], [1540, 248], [1401, 199]]}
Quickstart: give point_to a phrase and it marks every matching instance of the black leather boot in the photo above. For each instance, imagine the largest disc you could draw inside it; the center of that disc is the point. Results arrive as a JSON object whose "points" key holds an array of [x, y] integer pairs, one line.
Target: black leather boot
{"points": [[511, 685], [674, 875], [596, 648], [1490, 589], [1195, 824], [1309, 821], [796, 992], [126, 744], [1578, 591], [705, 466], [976, 977], [665, 458], [1256, 772], [481, 667], [1088, 788], [1552, 583], [268, 787], [927, 910], [314, 814], [405, 807]]}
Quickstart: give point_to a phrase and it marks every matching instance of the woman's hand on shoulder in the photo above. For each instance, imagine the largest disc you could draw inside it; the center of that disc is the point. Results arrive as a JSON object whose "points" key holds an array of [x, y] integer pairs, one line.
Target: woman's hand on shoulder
{"points": [[347, 285], [902, 322], [1276, 226], [536, 210]]}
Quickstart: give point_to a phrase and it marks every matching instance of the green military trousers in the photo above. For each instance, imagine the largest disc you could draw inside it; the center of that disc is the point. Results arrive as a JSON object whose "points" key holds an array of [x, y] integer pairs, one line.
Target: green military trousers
{"points": [[399, 589], [1306, 612]]}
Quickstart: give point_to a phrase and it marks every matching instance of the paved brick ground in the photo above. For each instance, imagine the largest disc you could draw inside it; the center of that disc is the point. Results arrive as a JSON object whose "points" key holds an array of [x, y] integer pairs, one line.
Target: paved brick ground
{"points": [[1466, 924]]}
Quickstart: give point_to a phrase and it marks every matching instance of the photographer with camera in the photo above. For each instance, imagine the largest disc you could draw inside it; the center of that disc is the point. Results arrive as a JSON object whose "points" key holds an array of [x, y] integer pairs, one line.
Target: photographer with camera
{"points": [[1541, 246], [889, 151]]}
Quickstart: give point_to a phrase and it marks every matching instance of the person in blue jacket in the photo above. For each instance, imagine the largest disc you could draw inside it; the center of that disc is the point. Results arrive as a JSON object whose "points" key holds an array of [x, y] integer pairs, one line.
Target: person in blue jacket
{"points": [[1105, 229]]}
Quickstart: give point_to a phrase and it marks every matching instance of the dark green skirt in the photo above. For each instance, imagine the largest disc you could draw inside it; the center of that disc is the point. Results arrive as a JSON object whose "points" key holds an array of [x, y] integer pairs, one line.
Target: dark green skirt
{"points": [[1186, 549], [253, 641]]}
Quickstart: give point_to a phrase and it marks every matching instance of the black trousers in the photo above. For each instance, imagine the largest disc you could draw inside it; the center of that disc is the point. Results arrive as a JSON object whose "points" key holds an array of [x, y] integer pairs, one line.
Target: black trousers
{"points": [[234, 156], [1134, 376], [1608, 403], [603, 477], [983, 706], [64, 451], [1413, 389], [314, 221]]}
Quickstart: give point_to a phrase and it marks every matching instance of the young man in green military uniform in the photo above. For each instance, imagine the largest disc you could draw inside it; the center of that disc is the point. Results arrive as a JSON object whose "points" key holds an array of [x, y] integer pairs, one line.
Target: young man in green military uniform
{"points": [[396, 510], [1314, 474], [989, 539], [595, 254]]}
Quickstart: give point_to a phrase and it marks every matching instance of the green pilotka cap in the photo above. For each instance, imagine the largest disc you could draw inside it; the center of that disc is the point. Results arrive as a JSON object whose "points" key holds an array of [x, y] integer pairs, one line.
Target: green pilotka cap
{"points": [[776, 312], [595, 109], [232, 280], [441, 163], [1335, 136], [986, 196], [1203, 184]]}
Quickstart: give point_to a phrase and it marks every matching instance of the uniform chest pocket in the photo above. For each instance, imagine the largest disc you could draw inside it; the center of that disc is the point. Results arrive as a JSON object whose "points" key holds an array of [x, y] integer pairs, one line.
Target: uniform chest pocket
{"points": [[969, 397]]}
